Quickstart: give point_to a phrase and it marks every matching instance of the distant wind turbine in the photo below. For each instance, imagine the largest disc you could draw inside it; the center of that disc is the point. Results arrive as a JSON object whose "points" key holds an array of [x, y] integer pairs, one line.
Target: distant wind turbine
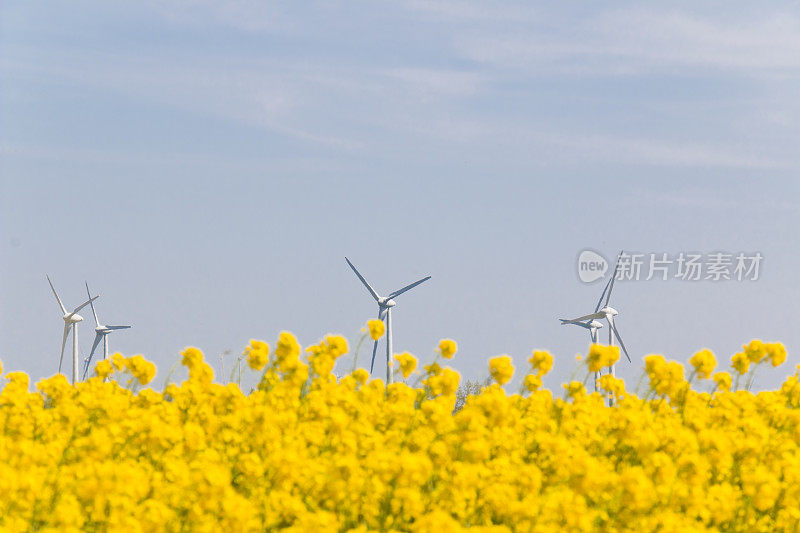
{"points": [[606, 312], [385, 304], [100, 334], [70, 321]]}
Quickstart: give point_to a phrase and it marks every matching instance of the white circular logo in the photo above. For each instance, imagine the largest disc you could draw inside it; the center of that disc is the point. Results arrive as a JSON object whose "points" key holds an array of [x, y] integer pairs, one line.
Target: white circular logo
{"points": [[591, 266]]}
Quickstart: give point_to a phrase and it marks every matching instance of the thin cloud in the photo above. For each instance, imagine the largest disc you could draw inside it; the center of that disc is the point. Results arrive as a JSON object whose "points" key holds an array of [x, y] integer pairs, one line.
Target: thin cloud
{"points": [[629, 41], [436, 82]]}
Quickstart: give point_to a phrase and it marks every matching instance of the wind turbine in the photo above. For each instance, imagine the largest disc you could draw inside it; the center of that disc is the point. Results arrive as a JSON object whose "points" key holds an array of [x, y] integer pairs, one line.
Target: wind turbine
{"points": [[100, 333], [606, 312], [70, 321], [385, 304]]}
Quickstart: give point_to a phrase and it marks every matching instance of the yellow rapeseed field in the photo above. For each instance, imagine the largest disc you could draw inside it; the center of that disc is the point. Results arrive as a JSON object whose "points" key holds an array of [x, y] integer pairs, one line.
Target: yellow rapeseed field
{"points": [[309, 451]]}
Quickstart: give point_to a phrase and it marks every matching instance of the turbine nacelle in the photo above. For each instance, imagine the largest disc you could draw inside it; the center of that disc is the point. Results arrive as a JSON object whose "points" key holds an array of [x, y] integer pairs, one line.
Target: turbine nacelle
{"points": [[386, 302], [73, 318], [595, 324], [609, 311]]}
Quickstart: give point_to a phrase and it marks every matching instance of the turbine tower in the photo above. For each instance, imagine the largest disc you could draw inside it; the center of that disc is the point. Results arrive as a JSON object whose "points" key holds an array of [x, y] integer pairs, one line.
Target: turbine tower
{"points": [[592, 326], [70, 322], [100, 333], [606, 312], [385, 304]]}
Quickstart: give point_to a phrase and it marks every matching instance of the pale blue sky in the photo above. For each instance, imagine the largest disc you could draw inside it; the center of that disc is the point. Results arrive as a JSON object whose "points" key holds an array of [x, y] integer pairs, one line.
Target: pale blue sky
{"points": [[207, 165]]}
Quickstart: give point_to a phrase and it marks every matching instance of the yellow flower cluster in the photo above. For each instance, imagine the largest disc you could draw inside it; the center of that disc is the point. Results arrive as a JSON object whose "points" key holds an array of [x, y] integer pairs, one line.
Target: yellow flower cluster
{"points": [[257, 354], [541, 363], [601, 356], [441, 381], [703, 363], [665, 377], [447, 347], [139, 368], [757, 352], [310, 451], [612, 384], [376, 328], [723, 381], [408, 363], [501, 369]]}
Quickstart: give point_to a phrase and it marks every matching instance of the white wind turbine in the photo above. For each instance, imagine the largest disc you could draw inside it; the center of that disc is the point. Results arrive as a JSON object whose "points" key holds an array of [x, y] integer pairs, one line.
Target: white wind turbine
{"points": [[385, 304], [606, 312], [70, 322], [100, 334]]}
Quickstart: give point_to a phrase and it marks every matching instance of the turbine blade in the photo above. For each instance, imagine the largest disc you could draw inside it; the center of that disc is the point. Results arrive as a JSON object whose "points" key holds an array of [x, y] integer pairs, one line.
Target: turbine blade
{"points": [[374, 350], [97, 338], [616, 334], [84, 304], [613, 277], [408, 287], [381, 312], [63, 343], [581, 324], [370, 289], [96, 322], [582, 318], [63, 310], [117, 327], [600, 301]]}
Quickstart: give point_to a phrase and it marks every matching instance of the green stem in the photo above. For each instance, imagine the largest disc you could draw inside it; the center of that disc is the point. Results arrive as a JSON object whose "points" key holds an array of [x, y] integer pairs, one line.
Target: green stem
{"points": [[235, 368], [358, 347], [752, 376], [169, 375]]}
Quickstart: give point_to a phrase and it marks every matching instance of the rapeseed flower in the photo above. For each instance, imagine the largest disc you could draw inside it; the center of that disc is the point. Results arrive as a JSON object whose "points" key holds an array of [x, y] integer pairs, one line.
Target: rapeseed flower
{"points": [[703, 363], [776, 353], [541, 362], [532, 382], [501, 369], [601, 356], [376, 328], [103, 368], [741, 362], [447, 348], [408, 363], [723, 381], [257, 354]]}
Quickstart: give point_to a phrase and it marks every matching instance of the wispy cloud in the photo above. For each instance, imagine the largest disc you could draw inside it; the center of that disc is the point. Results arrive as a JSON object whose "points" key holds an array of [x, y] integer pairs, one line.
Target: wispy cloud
{"points": [[659, 152], [484, 11], [473, 83], [245, 15], [706, 197], [435, 83], [638, 40]]}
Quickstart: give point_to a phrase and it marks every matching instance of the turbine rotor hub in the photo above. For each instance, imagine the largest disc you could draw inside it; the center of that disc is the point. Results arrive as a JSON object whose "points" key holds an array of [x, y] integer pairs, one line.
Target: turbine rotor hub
{"points": [[387, 302]]}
